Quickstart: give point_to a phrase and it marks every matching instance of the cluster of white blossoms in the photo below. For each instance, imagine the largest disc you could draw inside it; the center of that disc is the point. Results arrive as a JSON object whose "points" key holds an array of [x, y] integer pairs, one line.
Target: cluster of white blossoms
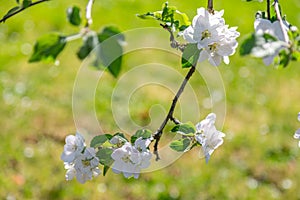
{"points": [[213, 37], [79, 160], [208, 136], [297, 133], [130, 160], [272, 48]]}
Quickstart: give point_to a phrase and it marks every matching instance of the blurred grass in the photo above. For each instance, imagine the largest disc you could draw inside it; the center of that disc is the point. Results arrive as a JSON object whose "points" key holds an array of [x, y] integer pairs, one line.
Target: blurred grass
{"points": [[259, 159]]}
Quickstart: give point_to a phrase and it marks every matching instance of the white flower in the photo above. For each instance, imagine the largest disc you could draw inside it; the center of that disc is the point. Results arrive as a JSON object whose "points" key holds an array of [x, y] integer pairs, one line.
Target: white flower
{"points": [[297, 133], [204, 29], [73, 147], [84, 167], [208, 136], [272, 48], [131, 159], [297, 136], [215, 40]]}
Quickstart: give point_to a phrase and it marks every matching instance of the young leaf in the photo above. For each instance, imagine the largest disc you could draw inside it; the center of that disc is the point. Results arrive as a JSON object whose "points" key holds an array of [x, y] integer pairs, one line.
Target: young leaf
{"points": [[190, 56], [48, 47], [296, 56], [144, 133], [284, 59], [104, 156], [185, 129], [11, 11], [105, 169], [151, 15], [73, 15], [121, 136], [26, 3], [89, 43], [99, 140], [247, 45], [180, 145], [110, 54]]}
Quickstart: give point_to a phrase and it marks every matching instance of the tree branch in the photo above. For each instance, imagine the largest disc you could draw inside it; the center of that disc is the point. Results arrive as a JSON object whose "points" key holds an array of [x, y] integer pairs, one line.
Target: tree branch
{"points": [[210, 6], [268, 9], [20, 10], [88, 13], [159, 132], [276, 7]]}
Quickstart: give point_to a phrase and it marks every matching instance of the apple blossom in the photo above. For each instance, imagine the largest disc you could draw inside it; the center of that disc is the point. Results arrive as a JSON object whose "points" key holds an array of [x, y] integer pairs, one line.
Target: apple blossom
{"points": [[297, 133], [208, 136], [272, 48], [297, 136], [73, 147], [84, 167], [130, 159], [215, 40]]}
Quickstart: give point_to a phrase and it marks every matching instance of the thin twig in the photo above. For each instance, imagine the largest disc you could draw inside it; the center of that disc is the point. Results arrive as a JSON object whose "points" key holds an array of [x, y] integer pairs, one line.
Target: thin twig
{"points": [[173, 42], [276, 7], [157, 135], [20, 10], [268, 9], [210, 6], [88, 13]]}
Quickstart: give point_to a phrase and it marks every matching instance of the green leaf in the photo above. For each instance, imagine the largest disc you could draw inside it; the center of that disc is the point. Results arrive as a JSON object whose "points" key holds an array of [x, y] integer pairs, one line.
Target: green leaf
{"points": [[99, 140], [185, 129], [105, 169], [48, 47], [284, 59], [168, 13], [144, 133], [18, 1], [151, 15], [296, 56], [190, 56], [111, 51], [180, 145], [121, 137], [104, 156], [89, 43], [26, 3], [11, 11], [110, 31], [247, 45], [73, 15]]}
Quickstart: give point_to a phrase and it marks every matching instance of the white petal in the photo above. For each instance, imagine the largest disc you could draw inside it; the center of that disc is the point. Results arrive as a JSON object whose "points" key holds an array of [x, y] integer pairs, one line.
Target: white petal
{"points": [[226, 60], [188, 34], [268, 60], [215, 60], [203, 56], [297, 134]]}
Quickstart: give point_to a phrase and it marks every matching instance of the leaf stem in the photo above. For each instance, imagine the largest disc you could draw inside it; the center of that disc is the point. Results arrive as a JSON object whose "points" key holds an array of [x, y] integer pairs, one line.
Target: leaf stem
{"points": [[157, 135], [88, 13], [20, 10], [276, 7], [74, 37]]}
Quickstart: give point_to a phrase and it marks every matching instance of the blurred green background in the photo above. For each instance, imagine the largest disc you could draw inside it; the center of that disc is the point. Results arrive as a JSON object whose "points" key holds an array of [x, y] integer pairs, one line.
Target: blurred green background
{"points": [[258, 160]]}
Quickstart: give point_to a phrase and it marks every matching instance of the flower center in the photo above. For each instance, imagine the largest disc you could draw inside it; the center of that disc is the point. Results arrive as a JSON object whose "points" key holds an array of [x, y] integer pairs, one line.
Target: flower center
{"points": [[213, 47], [205, 34], [86, 163], [126, 159]]}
